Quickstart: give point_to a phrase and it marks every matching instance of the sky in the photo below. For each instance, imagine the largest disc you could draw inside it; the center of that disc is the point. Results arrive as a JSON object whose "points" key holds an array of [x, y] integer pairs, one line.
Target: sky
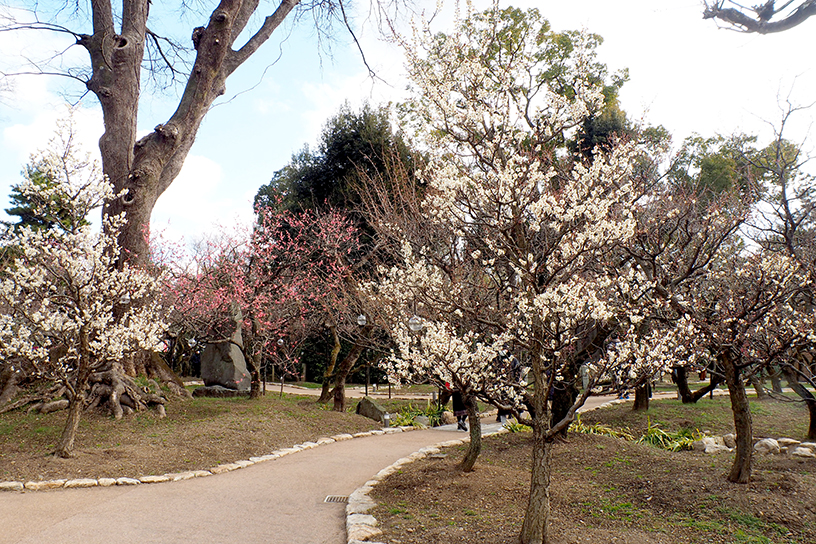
{"points": [[685, 74]]}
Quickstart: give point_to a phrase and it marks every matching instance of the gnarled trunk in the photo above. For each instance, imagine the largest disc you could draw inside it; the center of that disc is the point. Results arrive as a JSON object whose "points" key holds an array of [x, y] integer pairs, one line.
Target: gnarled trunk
{"points": [[140, 171], [343, 370], [475, 424], [759, 387], [537, 517], [807, 397], [65, 447], [687, 396], [642, 394], [326, 393], [741, 469]]}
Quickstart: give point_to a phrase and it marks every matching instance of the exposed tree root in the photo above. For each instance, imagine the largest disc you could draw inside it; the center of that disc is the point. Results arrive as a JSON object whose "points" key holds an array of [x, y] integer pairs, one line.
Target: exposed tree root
{"points": [[111, 391], [121, 394], [35, 400]]}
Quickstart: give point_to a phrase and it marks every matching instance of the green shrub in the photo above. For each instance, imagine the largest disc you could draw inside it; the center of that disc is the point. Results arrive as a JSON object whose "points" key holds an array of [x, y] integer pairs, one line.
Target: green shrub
{"points": [[674, 441], [599, 428], [517, 427], [407, 414]]}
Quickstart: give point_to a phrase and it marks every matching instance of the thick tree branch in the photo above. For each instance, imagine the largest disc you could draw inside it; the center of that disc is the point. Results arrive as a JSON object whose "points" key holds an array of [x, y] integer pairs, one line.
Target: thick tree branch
{"points": [[236, 58], [761, 24]]}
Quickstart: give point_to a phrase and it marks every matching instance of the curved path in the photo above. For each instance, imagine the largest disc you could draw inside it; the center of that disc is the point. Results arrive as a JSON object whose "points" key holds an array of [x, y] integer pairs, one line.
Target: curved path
{"points": [[273, 502], [279, 501]]}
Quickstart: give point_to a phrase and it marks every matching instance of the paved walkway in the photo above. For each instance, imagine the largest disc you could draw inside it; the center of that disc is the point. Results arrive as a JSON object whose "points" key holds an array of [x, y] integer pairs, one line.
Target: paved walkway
{"points": [[274, 502]]}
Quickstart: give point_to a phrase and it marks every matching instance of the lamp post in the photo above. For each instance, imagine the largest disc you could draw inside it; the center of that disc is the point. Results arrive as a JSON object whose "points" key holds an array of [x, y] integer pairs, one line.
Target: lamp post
{"points": [[415, 323], [361, 321], [280, 346]]}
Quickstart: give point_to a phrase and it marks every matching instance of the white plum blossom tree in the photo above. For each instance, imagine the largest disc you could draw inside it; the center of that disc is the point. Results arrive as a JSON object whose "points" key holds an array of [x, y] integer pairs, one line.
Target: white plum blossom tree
{"points": [[515, 244], [68, 312]]}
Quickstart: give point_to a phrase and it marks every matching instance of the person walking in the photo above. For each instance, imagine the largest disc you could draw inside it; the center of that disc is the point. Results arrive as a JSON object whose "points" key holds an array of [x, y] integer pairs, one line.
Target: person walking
{"points": [[460, 410]]}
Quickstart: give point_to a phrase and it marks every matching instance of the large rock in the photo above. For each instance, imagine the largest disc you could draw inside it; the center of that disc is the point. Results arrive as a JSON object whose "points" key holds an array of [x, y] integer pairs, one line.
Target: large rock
{"points": [[422, 421], [369, 408], [710, 444], [803, 453], [448, 418], [809, 445], [766, 446], [219, 391], [224, 364]]}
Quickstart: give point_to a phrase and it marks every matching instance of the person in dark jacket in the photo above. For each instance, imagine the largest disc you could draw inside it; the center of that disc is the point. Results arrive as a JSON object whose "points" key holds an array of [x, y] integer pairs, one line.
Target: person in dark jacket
{"points": [[460, 410]]}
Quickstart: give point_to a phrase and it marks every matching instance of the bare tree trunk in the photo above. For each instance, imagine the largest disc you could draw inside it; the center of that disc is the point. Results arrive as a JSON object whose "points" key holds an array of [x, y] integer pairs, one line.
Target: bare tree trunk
{"points": [[807, 396], [325, 393], [537, 516], [687, 396], [776, 380], [741, 469], [759, 387], [8, 383], [253, 365], [343, 370], [564, 395], [642, 393], [680, 378], [475, 425], [140, 171], [65, 447]]}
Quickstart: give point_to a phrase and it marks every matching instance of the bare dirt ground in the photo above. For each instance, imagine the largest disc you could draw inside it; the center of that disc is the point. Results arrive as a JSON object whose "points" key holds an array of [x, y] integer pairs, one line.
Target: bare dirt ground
{"points": [[603, 490]]}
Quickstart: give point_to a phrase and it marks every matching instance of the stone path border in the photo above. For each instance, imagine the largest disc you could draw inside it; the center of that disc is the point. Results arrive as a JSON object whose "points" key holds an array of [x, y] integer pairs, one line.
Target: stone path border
{"points": [[178, 476]]}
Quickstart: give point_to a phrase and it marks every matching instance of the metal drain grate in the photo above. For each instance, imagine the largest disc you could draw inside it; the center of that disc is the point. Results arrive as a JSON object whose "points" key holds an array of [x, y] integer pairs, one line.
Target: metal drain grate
{"points": [[336, 498]]}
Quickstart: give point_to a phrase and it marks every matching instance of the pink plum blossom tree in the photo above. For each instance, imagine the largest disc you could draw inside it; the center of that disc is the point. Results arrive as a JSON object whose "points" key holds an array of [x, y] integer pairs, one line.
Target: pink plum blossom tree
{"points": [[281, 278]]}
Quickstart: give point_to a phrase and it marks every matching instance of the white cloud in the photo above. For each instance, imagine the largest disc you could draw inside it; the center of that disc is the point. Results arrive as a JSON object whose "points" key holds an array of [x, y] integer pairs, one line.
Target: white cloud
{"points": [[198, 202]]}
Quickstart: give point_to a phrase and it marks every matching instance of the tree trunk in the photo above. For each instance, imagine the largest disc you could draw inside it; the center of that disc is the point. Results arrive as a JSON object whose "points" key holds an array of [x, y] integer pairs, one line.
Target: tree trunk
{"points": [[687, 396], [343, 370], [253, 365], [8, 383], [564, 394], [326, 393], [475, 425], [759, 387], [140, 171], [807, 396], [642, 397], [65, 447], [741, 469], [537, 517], [776, 380], [680, 378]]}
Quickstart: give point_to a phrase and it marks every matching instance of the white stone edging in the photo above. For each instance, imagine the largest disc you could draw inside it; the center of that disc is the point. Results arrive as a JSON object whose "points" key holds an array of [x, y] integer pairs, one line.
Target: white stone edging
{"points": [[362, 526], [178, 476]]}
